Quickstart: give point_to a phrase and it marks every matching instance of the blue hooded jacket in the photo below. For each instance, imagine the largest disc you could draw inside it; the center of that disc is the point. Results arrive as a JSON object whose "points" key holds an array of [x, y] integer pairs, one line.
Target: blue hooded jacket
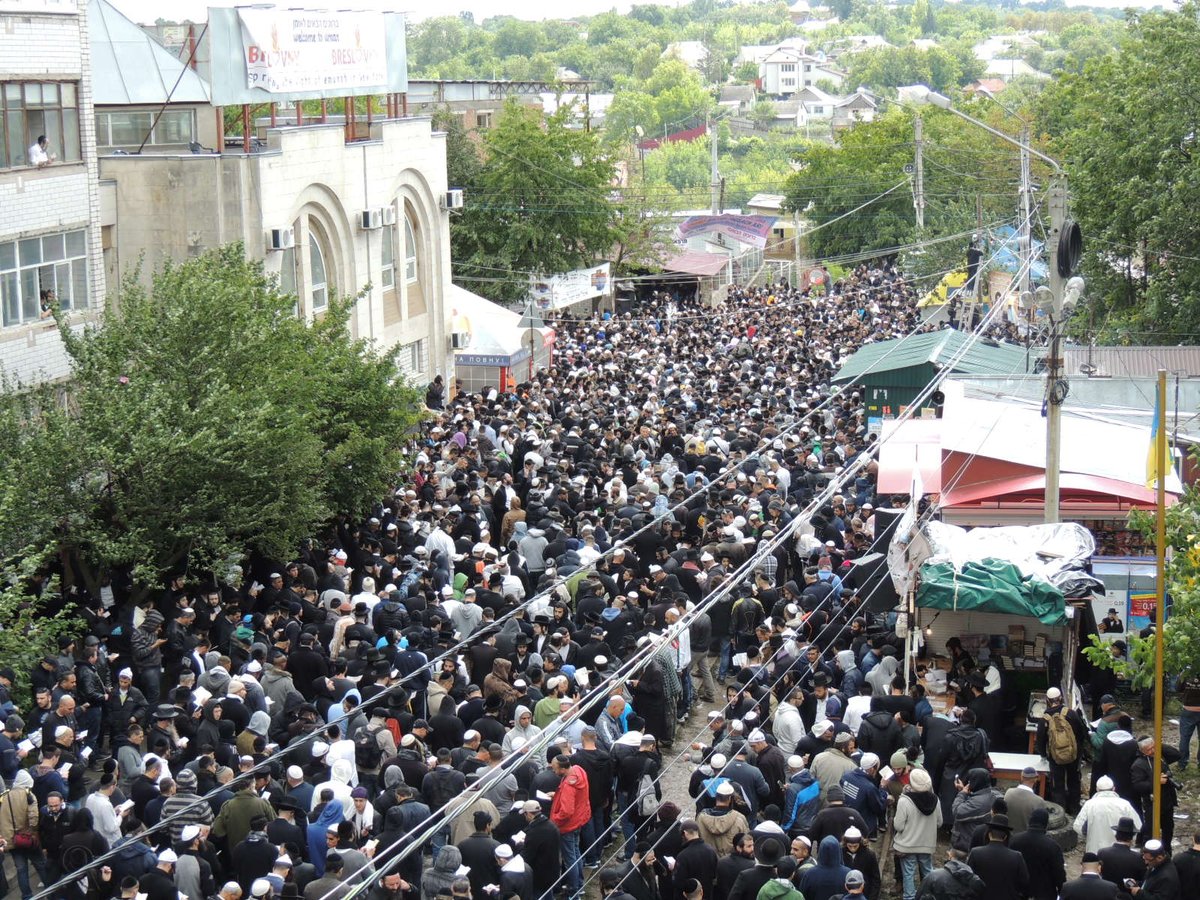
{"points": [[827, 879], [801, 802], [331, 814]]}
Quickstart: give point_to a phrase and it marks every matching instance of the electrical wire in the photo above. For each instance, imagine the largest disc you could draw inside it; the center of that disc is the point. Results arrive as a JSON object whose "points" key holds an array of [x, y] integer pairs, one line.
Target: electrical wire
{"points": [[834, 485]]}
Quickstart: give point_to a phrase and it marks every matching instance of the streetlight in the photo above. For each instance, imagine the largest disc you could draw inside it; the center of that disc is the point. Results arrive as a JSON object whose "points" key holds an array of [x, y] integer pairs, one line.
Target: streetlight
{"points": [[1066, 245]]}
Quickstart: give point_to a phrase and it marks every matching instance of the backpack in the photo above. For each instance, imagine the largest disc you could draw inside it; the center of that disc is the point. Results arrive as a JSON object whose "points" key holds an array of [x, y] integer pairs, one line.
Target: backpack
{"points": [[1060, 739], [367, 752], [646, 803]]}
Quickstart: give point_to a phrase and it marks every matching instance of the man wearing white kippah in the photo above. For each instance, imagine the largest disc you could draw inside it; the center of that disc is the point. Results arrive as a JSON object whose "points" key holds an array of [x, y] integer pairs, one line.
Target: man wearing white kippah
{"points": [[1100, 814]]}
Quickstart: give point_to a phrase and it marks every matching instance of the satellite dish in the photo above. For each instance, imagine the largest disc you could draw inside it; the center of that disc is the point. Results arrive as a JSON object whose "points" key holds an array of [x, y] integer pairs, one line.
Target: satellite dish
{"points": [[938, 398]]}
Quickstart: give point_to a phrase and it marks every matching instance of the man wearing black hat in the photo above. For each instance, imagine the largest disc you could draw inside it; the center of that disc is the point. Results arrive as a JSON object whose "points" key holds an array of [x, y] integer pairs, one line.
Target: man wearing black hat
{"points": [[1121, 860], [1089, 885], [1043, 857], [1002, 869], [768, 852], [289, 826]]}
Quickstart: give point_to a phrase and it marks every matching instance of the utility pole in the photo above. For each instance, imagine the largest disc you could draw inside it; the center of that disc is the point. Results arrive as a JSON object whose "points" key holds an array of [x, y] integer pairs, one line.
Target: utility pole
{"points": [[1055, 384], [716, 177], [796, 247], [919, 183], [1025, 241]]}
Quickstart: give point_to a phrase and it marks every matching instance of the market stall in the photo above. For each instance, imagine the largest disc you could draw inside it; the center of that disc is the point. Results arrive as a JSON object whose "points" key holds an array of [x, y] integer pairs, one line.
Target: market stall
{"points": [[492, 349], [1010, 595]]}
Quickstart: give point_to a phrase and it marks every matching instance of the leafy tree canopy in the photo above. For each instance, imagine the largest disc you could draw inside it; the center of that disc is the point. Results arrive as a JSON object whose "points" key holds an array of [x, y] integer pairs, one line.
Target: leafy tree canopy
{"points": [[1126, 128], [540, 203], [204, 419]]}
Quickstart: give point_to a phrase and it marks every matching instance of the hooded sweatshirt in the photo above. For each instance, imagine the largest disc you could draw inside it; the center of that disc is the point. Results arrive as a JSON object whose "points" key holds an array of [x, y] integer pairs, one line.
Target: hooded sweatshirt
{"points": [[881, 676], [439, 877], [971, 809], [828, 877], [498, 682], [331, 815], [339, 782], [718, 827], [779, 889], [918, 817], [528, 732]]}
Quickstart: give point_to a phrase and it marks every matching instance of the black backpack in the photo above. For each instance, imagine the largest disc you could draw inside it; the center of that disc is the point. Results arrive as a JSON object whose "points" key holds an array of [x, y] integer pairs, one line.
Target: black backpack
{"points": [[367, 752]]}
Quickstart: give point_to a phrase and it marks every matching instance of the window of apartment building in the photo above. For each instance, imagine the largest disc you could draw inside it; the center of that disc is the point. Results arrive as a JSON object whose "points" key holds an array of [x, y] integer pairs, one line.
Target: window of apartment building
{"points": [[318, 281], [287, 271], [410, 359], [787, 67], [387, 276], [483, 120], [35, 270], [128, 128], [29, 109], [410, 252]]}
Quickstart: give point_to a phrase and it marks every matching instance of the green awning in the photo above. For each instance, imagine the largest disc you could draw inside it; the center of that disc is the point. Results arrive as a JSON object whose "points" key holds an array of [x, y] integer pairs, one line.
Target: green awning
{"points": [[993, 586]]}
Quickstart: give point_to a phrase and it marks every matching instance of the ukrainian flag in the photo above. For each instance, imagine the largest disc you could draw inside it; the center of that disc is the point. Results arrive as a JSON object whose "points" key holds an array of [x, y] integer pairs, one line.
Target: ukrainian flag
{"points": [[1152, 473]]}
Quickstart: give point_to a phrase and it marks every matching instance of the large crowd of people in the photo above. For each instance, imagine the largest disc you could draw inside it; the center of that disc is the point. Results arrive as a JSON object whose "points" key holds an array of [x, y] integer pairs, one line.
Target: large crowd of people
{"points": [[479, 691]]}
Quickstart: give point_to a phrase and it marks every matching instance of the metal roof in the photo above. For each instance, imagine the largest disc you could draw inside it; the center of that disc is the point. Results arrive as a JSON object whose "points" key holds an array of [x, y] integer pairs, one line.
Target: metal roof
{"points": [[1132, 362], [694, 262], [130, 68], [937, 348]]}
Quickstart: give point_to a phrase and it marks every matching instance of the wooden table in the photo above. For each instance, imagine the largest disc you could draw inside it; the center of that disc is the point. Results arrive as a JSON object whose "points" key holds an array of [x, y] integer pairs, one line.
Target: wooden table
{"points": [[1008, 767]]}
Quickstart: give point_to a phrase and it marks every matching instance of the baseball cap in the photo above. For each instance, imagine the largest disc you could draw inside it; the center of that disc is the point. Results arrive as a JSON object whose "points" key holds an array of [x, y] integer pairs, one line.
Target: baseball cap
{"points": [[854, 878]]}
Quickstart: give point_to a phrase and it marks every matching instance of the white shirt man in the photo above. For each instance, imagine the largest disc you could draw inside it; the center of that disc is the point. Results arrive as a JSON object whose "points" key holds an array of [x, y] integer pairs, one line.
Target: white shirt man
{"points": [[38, 156]]}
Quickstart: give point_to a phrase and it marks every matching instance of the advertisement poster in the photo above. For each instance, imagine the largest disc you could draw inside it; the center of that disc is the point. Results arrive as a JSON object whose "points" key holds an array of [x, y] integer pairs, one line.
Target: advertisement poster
{"points": [[752, 230], [304, 50], [560, 291]]}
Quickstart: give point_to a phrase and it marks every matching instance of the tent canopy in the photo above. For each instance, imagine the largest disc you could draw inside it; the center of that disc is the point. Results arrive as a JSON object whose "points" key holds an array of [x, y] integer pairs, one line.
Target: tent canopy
{"points": [[496, 337], [993, 586]]}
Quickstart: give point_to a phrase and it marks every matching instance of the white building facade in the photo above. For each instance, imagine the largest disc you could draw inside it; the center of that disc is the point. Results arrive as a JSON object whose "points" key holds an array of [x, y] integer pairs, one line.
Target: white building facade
{"points": [[50, 238]]}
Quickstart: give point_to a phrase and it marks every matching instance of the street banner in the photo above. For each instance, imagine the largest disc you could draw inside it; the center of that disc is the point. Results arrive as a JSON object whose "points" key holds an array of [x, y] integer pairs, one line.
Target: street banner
{"points": [[289, 51], [753, 230]]}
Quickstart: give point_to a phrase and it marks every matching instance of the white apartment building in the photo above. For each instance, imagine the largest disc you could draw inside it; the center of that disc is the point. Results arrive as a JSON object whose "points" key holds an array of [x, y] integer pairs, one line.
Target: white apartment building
{"points": [[50, 239]]}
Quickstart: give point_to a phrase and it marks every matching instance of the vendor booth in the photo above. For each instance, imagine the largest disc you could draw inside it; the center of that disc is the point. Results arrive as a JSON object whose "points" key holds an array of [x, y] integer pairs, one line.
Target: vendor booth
{"points": [[492, 349], [1010, 595]]}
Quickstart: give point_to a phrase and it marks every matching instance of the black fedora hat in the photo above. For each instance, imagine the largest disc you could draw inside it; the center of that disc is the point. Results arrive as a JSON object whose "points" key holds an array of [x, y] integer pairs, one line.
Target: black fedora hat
{"points": [[1125, 826], [999, 822]]}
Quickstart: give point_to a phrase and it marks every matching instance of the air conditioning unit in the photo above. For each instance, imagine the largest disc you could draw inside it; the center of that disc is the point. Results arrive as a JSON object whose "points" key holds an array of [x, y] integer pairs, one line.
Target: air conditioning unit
{"points": [[370, 219], [389, 215], [453, 199], [459, 340], [281, 239]]}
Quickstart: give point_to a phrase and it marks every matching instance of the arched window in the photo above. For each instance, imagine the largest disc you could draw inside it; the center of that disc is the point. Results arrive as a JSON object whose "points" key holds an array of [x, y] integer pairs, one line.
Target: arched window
{"points": [[318, 282], [410, 251]]}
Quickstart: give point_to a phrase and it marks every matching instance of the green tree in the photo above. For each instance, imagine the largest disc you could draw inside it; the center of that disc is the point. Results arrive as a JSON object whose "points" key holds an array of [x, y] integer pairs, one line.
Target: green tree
{"points": [[462, 155], [746, 73], [1135, 190], [205, 420], [961, 164], [762, 114], [540, 202]]}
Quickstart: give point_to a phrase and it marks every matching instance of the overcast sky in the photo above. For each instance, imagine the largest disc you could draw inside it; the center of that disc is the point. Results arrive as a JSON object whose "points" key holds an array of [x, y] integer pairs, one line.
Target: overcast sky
{"points": [[179, 10], [149, 10]]}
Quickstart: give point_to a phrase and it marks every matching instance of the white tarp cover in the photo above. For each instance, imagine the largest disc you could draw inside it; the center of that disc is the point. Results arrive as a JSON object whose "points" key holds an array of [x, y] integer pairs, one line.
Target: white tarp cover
{"points": [[1050, 553]]}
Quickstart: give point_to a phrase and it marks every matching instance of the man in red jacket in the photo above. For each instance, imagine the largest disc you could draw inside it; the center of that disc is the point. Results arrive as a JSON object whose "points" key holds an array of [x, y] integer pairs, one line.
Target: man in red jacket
{"points": [[570, 811]]}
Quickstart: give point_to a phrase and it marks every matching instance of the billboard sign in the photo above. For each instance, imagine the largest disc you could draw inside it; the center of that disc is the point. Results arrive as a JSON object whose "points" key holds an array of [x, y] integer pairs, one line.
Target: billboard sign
{"points": [[275, 55], [559, 291], [752, 230], [287, 51]]}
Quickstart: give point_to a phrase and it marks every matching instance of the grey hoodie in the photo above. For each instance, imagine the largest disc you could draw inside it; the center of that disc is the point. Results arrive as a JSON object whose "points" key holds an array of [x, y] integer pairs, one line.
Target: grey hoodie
{"points": [[439, 877]]}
